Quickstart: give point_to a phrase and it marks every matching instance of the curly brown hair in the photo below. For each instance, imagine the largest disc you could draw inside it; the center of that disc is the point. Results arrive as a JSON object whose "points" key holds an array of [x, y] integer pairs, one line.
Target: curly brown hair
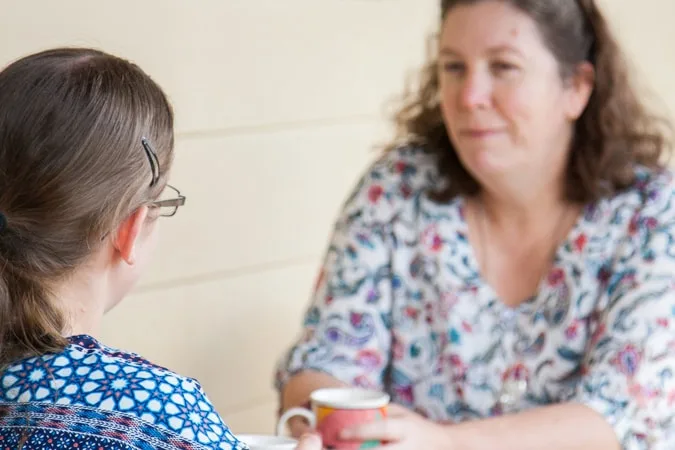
{"points": [[615, 134]]}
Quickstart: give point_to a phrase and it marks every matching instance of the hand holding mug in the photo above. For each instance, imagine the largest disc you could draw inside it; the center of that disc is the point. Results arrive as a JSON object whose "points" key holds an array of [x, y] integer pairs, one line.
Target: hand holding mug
{"points": [[403, 430], [336, 409], [309, 441]]}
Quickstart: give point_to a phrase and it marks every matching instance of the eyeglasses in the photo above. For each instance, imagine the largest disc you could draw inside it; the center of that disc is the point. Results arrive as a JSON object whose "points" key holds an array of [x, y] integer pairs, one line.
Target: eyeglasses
{"points": [[167, 206]]}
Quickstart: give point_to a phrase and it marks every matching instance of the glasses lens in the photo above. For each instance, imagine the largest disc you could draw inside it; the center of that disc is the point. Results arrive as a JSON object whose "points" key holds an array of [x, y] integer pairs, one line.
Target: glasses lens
{"points": [[168, 211], [169, 193]]}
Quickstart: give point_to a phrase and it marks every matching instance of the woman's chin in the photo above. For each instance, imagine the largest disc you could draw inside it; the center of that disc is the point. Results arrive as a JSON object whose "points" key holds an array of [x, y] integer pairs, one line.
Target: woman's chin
{"points": [[486, 166]]}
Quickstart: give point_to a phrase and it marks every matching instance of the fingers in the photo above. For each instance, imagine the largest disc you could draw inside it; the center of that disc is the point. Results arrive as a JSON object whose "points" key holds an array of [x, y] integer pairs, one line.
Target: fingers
{"points": [[298, 426], [309, 441], [382, 430], [394, 410]]}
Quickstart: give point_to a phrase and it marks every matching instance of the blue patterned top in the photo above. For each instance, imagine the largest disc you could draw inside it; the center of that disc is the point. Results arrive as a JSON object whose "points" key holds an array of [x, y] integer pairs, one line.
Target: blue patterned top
{"points": [[92, 397], [400, 305]]}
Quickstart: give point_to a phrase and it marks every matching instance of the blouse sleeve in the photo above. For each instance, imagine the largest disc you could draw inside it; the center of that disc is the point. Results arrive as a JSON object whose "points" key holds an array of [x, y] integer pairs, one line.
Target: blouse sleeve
{"points": [[347, 328], [629, 375]]}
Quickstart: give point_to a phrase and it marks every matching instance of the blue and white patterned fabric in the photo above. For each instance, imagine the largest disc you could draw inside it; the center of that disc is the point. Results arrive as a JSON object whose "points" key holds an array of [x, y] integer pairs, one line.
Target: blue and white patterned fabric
{"points": [[94, 397]]}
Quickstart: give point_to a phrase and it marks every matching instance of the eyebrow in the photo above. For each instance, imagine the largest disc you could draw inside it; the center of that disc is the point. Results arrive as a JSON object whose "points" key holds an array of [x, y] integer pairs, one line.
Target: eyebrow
{"points": [[446, 51]]}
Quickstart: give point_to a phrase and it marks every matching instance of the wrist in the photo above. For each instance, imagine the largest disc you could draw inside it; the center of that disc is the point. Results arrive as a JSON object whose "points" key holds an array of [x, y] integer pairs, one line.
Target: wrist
{"points": [[448, 438], [462, 436]]}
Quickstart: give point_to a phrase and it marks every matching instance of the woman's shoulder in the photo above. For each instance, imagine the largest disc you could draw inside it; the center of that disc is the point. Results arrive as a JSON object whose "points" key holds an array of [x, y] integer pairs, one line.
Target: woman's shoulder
{"points": [[392, 183], [91, 375], [86, 350], [405, 165], [652, 193], [641, 218]]}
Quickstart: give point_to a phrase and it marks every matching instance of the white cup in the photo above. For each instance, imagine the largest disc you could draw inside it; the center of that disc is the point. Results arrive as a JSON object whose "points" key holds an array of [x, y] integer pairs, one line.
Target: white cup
{"points": [[267, 442]]}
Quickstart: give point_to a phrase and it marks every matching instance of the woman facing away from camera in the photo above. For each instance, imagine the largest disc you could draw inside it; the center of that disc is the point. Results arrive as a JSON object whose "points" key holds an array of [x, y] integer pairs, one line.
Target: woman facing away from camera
{"points": [[506, 270], [86, 148]]}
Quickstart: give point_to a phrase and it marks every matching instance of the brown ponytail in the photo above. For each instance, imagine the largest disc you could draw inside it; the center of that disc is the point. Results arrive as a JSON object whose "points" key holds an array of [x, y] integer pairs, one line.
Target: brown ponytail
{"points": [[33, 325]]}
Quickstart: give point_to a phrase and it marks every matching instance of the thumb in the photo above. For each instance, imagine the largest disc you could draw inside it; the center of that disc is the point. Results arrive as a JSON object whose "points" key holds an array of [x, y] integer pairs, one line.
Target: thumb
{"points": [[309, 441], [298, 426]]}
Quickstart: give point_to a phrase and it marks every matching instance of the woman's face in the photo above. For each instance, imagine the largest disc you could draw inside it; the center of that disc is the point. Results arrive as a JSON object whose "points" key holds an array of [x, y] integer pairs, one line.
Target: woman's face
{"points": [[506, 107]]}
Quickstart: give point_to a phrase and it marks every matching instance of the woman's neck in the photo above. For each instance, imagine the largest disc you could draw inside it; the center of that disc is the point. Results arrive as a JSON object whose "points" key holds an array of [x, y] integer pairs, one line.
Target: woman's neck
{"points": [[524, 205], [82, 305]]}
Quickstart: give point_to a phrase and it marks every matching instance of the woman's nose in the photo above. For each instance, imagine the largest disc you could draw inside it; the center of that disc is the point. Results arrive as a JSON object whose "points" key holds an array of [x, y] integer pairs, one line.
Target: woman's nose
{"points": [[475, 91]]}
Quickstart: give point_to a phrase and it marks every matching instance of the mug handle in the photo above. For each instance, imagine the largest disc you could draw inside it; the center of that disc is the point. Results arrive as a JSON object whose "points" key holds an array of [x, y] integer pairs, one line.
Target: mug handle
{"points": [[294, 412]]}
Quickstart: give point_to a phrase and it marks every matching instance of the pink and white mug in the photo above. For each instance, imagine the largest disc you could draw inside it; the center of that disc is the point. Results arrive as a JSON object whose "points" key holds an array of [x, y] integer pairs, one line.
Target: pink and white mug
{"points": [[334, 409]]}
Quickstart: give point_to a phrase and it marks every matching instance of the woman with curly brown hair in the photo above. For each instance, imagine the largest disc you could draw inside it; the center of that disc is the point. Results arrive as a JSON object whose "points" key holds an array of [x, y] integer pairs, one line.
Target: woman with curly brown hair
{"points": [[505, 270]]}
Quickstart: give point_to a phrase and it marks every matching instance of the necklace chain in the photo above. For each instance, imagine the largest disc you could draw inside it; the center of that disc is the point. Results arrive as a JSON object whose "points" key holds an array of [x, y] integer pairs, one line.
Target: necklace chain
{"points": [[482, 235], [515, 378]]}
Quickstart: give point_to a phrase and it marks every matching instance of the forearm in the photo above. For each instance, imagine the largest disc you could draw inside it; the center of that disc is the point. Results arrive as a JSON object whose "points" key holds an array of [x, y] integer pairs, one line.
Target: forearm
{"points": [[298, 389], [567, 426]]}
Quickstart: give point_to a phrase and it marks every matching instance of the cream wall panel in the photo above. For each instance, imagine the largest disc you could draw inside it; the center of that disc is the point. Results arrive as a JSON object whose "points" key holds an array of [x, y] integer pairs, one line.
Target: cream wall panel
{"points": [[255, 419], [238, 63], [257, 199], [226, 333], [646, 31], [234, 63]]}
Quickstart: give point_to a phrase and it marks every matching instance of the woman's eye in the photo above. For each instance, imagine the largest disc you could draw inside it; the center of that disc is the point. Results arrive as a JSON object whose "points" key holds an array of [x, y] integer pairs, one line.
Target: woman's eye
{"points": [[453, 67], [503, 67]]}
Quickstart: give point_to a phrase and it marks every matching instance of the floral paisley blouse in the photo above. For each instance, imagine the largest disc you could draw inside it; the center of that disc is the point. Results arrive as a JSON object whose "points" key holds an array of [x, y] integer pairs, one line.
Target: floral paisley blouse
{"points": [[400, 305]]}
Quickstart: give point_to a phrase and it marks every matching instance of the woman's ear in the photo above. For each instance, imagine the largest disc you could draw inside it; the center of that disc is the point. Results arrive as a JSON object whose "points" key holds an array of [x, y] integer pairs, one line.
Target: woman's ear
{"points": [[128, 233], [580, 88]]}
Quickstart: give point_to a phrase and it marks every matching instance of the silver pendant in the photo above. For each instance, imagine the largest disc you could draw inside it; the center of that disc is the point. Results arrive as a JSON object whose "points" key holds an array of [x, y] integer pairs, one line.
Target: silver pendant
{"points": [[512, 393], [515, 381]]}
